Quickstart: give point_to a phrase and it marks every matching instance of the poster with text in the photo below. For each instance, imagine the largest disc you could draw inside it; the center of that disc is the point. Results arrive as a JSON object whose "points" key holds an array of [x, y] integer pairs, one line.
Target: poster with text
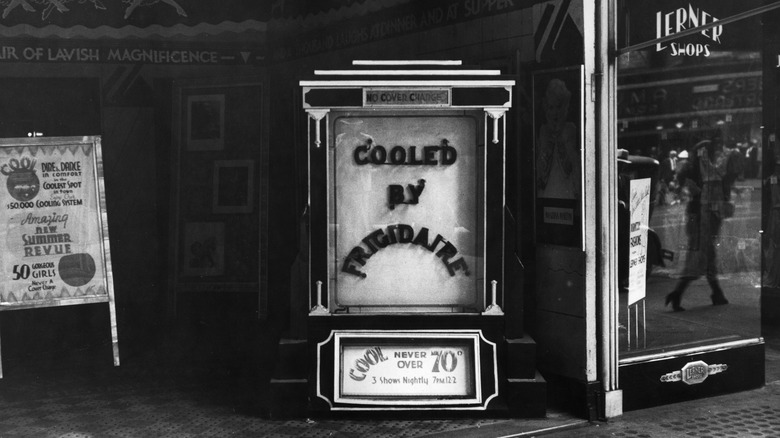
{"points": [[637, 239], [558, 124], [52, 223], [406, 212]]}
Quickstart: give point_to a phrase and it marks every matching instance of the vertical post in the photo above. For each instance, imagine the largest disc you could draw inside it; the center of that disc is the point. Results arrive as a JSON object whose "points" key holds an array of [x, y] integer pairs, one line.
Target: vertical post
{"points": [[1, 360], [493, 308], [114, 331], [628, 326], [604, 79], [317, 116], [495, 195], [318, 308]]}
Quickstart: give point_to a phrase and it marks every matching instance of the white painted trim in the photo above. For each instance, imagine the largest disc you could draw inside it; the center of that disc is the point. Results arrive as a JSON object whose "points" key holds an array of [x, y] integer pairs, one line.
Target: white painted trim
{"points": [[408, 83], [405, 62], [691, 351], [613, 403], [410, 404], [407, 72]]}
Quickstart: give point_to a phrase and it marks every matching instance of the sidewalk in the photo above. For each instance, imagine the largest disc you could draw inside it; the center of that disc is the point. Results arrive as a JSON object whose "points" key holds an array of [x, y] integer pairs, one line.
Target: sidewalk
{"points": [[753, 413], [142, 399]]}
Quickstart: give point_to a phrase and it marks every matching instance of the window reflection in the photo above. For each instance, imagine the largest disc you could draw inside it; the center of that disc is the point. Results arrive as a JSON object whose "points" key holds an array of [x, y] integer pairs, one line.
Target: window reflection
{"points": [[693, 126]]}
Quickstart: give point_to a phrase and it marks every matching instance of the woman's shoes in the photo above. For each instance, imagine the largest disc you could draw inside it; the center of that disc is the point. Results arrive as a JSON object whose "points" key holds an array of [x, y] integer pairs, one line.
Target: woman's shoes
{"points": [[719, 300], [674, 298]]}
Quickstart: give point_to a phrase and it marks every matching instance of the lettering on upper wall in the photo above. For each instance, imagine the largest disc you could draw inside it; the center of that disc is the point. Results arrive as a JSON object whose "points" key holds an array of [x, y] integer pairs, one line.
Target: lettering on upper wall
{"points": [[680, 19], [129, 54], [390, 23]]}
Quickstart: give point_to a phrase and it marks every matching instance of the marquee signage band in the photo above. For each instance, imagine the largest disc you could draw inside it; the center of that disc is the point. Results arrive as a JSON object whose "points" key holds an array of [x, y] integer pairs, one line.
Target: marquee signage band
{"points": [[129, 53]]}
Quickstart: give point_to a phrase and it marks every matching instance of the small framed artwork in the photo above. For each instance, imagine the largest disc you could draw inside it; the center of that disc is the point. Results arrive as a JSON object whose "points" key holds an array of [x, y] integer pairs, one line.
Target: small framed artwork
{"points": [[233, 186], [204, 249], [558, 133], [206, 122]]}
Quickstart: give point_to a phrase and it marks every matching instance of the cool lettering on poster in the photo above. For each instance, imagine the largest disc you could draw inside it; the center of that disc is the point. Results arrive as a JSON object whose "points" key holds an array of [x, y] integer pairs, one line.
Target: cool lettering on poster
{"points": [[372, 356]]}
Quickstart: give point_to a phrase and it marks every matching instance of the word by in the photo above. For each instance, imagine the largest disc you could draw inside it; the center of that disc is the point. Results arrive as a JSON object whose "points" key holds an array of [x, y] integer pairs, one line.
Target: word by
{"points": [[396, 195]]}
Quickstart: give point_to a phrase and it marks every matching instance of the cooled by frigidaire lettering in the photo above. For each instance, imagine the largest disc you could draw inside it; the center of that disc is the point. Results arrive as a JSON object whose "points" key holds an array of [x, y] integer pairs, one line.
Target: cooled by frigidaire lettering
{"points": [[403, 234], [368, 153]]}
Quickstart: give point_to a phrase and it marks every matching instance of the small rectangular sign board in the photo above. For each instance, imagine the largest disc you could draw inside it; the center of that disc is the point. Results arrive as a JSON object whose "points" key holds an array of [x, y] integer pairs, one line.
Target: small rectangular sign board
{"points": [[430, 369], [53, 225]]}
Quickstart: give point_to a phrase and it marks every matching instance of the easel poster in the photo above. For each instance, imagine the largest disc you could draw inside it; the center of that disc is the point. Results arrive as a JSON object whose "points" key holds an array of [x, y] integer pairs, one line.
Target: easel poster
{"points": [[637, 238], [53, 225]]}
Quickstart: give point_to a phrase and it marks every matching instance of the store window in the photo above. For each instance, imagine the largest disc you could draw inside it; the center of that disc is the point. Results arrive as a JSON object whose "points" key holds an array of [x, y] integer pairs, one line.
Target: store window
{"points": [[692, 175]]}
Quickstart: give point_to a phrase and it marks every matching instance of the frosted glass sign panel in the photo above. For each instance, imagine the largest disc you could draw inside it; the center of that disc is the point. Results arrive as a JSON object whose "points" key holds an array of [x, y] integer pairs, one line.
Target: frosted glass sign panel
{"points": [[405, 210]]}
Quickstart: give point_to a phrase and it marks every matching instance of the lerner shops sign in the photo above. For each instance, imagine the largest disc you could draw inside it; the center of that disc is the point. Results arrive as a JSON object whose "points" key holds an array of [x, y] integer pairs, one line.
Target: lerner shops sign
{"points": [[680, 19]]}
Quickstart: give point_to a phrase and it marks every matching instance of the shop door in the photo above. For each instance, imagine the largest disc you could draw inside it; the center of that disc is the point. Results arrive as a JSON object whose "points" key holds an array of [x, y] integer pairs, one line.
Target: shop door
{"points": [[692, 180]]}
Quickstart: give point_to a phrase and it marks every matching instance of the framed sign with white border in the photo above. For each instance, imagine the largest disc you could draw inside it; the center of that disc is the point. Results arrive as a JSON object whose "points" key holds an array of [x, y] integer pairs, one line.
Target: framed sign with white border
{"points": [[54, 226], [423, 369]]}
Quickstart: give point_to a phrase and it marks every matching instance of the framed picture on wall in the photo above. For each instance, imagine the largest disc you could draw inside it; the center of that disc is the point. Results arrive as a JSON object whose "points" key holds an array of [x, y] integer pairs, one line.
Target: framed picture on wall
{"points": [[203, 252], [205, 122], [219, 176], [233, 186], [558, 133]]}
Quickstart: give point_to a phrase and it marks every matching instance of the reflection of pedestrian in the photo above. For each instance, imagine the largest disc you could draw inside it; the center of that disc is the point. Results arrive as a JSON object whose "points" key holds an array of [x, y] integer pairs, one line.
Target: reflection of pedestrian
{"points": [[557, 162], [666, 177], [703, 176], [668, 167], [751, 160]]}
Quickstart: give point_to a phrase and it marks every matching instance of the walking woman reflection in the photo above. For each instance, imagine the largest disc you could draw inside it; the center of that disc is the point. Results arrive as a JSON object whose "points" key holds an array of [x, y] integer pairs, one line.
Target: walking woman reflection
{"points": [[706, 179]]}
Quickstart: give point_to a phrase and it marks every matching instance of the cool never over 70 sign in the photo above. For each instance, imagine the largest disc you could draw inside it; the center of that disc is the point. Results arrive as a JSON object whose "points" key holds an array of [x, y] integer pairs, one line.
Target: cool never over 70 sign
{"points": [[52, 224]]}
